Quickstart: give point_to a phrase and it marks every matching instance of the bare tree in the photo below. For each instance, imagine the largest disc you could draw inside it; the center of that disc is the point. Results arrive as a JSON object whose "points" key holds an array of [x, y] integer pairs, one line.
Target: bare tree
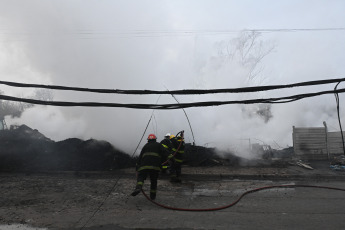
{"points": [[15, 109], [43, 95], [250, 51]]}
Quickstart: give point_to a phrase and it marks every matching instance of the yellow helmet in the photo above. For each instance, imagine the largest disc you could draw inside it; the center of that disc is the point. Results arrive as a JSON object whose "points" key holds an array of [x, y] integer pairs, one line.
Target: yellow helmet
{"points": [[172, 136]]}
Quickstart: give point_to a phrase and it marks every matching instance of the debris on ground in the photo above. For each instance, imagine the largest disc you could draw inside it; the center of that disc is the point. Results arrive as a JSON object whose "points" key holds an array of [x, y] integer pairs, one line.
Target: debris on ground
{"points": [[338, 163], [304, 165], [338, 167], [301, 164], [26, 149], [339, 160]]}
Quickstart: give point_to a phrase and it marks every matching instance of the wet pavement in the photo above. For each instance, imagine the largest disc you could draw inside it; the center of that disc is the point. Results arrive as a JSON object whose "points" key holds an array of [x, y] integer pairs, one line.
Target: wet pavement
{"points": [[100, 200]]}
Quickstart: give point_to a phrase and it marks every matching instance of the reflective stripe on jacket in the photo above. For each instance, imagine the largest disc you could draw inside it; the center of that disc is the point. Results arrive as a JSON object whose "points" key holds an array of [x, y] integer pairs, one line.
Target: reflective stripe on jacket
{"points": [[151, 156], [167, 144], [179, 147]]}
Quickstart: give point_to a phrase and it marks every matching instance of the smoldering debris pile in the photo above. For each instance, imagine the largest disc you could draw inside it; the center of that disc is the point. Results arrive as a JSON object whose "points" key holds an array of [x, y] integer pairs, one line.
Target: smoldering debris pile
{"points": [[261, 156], [200, 156], [25, 149]]}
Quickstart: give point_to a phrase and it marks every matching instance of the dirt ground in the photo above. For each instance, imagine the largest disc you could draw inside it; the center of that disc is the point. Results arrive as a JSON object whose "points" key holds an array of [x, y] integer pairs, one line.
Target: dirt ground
{"points": [[100, 200]]}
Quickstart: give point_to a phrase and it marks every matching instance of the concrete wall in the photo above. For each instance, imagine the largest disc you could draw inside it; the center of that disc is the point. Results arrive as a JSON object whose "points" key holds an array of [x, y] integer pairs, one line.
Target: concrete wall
{"points": [[316, 143], [335, 144], [310, 142]]}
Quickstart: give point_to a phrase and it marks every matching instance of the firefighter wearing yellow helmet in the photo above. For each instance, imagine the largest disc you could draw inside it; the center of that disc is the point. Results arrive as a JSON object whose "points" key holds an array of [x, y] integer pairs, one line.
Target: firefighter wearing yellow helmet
{"points": [[177, 157]]}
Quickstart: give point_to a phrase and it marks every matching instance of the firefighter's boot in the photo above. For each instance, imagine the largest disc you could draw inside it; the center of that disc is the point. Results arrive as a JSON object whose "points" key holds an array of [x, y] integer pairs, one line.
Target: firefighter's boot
{"points": [[152, 195], [136, 191]]}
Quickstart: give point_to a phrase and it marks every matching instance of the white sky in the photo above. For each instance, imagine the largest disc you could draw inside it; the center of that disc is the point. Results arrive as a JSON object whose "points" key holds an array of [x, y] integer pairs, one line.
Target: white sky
{"points": [[156, 44]]}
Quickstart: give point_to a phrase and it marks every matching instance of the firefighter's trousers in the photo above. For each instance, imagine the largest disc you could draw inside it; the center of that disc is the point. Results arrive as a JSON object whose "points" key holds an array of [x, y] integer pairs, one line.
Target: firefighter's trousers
{"points": [[142, 175]]}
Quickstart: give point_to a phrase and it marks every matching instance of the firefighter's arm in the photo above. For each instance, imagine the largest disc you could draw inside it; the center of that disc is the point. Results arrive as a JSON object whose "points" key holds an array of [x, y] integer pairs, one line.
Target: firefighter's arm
{"points": [[165, 153]]}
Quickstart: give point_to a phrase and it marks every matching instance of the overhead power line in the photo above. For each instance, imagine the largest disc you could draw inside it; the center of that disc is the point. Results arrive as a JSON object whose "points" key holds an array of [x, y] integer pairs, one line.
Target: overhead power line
{"points": [[171, 106], [175, 92], [159, 33]]}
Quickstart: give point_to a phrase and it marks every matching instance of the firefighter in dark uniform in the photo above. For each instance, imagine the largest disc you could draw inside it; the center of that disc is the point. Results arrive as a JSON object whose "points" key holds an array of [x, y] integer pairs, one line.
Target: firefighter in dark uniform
{"points": [[167, 144], [149, 164], [177, 158]]}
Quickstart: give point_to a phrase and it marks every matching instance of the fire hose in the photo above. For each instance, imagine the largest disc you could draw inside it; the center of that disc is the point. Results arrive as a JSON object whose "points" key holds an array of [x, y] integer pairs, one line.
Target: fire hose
{"points": [[238, 199]]}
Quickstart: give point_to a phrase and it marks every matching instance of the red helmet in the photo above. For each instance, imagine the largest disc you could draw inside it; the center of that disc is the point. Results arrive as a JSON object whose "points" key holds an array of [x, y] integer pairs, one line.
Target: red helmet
{"points": [[152, 137]]}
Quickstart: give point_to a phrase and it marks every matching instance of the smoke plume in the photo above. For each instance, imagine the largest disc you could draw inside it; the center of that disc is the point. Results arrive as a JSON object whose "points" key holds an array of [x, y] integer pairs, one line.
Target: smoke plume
{"points": [[120, 45]]}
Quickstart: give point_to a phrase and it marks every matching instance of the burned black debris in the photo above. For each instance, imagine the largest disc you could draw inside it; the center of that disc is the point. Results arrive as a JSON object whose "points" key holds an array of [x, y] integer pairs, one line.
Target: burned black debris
{"points": [[26, 149]]}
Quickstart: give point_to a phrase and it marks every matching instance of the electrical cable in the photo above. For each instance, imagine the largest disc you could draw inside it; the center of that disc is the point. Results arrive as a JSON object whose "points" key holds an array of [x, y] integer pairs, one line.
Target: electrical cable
{"points": [[286, 99], [338, 112], [99, 207], [113, 187], [236, 201], [98, 34], [175, 92], [154, 124], [185, 113], [185, 105]]}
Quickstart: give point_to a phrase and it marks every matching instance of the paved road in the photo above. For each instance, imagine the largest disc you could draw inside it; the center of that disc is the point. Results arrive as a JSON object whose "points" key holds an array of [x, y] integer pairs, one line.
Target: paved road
{"points": [[292, 208], [69, 201]]}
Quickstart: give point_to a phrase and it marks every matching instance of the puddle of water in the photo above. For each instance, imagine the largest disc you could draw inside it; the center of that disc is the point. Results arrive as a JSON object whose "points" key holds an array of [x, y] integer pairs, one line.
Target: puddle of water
{"points": [[19, 227]]}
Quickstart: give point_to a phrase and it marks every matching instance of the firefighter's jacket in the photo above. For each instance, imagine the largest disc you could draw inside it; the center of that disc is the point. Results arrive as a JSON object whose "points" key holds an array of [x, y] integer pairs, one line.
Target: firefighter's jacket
{"points": [[151, 156], [178, 148], [168, 145]]}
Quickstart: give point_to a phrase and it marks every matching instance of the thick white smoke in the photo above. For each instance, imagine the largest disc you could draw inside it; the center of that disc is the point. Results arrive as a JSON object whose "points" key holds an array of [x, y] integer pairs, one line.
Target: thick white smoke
{"points": [[116, 45]]}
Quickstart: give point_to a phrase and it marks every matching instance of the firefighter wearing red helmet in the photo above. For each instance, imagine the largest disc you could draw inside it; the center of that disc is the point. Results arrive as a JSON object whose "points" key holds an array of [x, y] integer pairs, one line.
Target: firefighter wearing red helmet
{"points": [[149, 164]]}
